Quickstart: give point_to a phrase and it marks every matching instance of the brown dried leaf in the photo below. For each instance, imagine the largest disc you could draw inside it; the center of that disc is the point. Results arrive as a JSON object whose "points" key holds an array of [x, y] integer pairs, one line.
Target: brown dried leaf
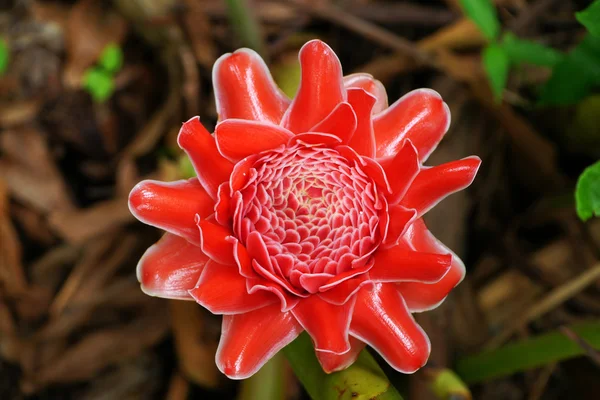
{"points": [[12, 275], [198, 29], [105, 347], [81, 225], [196, 357], [91, 27], [30, 171]]}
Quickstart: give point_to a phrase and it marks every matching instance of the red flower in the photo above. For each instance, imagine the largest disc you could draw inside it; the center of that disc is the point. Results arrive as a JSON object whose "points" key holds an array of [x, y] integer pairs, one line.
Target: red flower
{"points": [[306, 215]]}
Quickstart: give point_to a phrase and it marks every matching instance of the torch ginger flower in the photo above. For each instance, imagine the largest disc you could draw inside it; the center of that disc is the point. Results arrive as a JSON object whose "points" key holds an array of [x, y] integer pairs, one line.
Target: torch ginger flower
{"points": [[306, 215]]}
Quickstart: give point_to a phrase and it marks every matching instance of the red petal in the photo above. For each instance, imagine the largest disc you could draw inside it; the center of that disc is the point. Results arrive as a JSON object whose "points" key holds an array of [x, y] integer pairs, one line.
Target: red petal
{"points": [[171, 206], [210, 166], [382, 320], [422, 296], [343, 291], [341, 122], [170, 268], [222, 290], [214, 243], [338, 362], [316, 138], [321, 88], [288, 301], [363, 140], [237, 138], [222, 208], [421, 116], [399, 264], [432, 185], [372, 86], [402, 170], [249, 340], [400, 219], [327, 324], [245, 89]]}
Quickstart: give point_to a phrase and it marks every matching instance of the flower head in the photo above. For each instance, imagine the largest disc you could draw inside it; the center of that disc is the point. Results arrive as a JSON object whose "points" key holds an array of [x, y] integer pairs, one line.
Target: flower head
{"points": [[306, 215]]}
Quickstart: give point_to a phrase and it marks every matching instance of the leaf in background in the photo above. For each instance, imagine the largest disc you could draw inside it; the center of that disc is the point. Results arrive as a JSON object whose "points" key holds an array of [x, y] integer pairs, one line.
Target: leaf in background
{"points": [[575, 75], [590, 18], [483, 13], [496, 65], [587, 192], [99, 84], [111, 58], [527, 51], [186, 169], [287, 74], [4, 56], [527, 354]]}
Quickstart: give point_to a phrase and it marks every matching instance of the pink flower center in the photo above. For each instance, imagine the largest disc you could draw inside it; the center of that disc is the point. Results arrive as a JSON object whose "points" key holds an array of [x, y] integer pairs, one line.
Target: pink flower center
{"points": [[307, 215]]}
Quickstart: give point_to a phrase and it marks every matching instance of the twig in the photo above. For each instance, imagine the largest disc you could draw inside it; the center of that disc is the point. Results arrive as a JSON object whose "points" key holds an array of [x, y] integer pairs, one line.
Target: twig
{"points": [[529, 14], [589, 350], [553, 299]]}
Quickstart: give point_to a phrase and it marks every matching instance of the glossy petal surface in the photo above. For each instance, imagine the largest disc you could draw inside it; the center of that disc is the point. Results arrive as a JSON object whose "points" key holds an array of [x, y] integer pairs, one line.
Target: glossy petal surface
{"points": [[327, 324], [371, 86], [244, 89], [382, 320], [422, 296], [249, 340], [421, 116], [170, 268], [171, 206], [338, 362], [321, 88], [222, 290], [211, 167]]}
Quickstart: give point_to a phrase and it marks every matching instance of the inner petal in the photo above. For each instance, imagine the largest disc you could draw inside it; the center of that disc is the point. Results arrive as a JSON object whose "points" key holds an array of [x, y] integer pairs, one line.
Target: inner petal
{"points": [[316, 213]]}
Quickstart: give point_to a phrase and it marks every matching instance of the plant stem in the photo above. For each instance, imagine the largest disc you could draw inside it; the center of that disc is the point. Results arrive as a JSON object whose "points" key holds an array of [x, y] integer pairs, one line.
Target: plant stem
{"points": [[267, 383], [362, 380]]}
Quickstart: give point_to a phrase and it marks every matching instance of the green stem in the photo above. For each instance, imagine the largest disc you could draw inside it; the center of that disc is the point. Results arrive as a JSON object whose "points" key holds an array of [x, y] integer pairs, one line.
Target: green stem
{"points": [[526, 354], [245, 24], [267, 383], [362, 380]]}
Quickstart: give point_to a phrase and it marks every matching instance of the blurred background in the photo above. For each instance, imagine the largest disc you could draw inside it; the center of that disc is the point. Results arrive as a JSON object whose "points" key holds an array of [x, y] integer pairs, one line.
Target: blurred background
{"points": [[93, 93]]}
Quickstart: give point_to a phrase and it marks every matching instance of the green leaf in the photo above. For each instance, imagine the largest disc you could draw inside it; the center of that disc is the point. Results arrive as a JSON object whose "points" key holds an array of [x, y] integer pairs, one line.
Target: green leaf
{"points": [[587, 192], [361, 381], [527, 51], [4, 56], [99, 84], [111, 59], [527, 354], [483, 13], [496, 65], [575, 75], [445, 384], [590, 18], [186, 169]]}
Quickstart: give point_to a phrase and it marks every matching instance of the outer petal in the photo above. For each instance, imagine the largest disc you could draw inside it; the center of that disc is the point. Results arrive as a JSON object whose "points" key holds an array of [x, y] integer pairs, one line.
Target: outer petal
{"points": [[422, 296], [363, 140], [249, 340], [327, 324], [372, 86], [170, 268], [245, 89], [171, 206], [321, 88], [341, 122], [401, 171], [382, 320], [338, 362], [399, 264], [400, 219], [222, 290], [211, 167], [421, 116], [432, 185], [214, 242], [237, 138]]}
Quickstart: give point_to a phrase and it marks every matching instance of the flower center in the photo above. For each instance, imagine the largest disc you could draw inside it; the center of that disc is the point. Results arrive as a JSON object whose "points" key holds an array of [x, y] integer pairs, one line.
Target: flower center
{"points": [[316, 213]]}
